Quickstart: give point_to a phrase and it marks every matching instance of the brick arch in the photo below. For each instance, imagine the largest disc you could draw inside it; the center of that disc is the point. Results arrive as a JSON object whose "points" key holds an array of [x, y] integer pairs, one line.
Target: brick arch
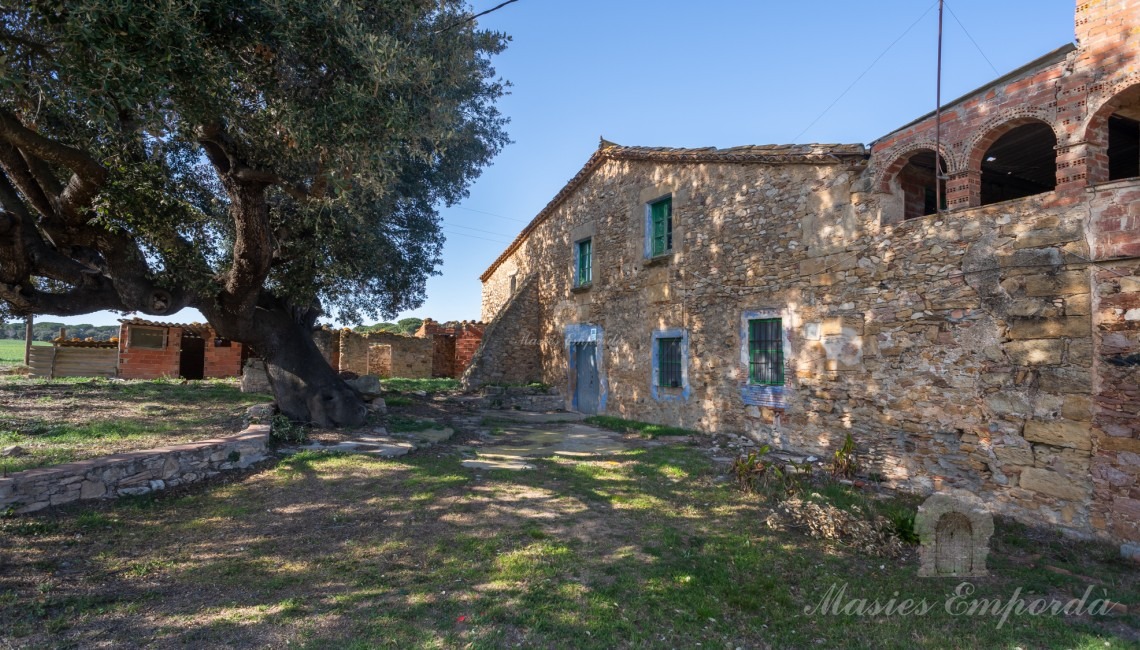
{"points": [[1098, 119], [1003, 123], [1095, 133], [900, 156]]}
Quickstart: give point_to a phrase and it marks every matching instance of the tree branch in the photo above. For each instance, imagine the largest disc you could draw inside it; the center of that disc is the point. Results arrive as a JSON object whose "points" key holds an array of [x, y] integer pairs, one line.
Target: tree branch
{"points": [[87, 174]]}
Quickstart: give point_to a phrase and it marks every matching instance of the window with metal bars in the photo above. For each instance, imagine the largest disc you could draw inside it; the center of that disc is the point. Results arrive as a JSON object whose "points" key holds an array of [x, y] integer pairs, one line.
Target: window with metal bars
{"points": [[669, 362], [765, 352], [661, 226], [585, 263]]}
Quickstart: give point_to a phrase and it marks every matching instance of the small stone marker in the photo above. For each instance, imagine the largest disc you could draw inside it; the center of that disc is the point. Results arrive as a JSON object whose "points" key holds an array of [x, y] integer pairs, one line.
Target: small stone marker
{"points": [[954, 530]]}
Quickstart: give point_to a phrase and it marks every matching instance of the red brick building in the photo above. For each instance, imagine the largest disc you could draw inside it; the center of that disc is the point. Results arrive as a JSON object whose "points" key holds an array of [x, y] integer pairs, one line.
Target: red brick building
{"points": [[148, 350], [455, 344]]}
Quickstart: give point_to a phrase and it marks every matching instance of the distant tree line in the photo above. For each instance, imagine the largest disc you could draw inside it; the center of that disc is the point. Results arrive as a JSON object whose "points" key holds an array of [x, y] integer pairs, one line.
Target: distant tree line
{"points": [[407, 326], [47, 331]]}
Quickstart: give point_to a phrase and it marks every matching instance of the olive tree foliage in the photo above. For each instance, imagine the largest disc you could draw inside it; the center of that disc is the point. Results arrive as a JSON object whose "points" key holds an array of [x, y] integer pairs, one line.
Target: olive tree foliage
{"points": [[264, 161]]}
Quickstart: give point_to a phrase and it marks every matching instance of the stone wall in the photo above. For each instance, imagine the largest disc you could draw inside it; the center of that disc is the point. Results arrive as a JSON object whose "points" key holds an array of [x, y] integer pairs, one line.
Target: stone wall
{"points": [[510, 350], [1116, 403], [328, 342], [133, 473]]}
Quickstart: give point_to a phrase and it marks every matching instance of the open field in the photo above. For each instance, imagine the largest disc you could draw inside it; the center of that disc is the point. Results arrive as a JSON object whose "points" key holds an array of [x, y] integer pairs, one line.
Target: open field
{"points": [[12, 351], [64, 420], [653, 547]]}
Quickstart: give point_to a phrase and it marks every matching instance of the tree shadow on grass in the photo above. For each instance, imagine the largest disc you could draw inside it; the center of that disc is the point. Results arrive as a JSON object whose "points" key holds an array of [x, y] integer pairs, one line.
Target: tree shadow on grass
{"points": [[645, 548]]}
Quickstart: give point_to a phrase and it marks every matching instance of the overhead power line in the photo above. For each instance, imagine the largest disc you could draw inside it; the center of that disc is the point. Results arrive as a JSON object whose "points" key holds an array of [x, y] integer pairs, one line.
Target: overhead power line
{"points": [[864, 73], [492, 214], [969, 36]]}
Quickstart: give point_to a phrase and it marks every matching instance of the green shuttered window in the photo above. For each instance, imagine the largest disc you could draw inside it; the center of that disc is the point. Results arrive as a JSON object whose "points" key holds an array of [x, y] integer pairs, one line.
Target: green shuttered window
{"points": [[766, 352], [661, 225], [585, 263]]}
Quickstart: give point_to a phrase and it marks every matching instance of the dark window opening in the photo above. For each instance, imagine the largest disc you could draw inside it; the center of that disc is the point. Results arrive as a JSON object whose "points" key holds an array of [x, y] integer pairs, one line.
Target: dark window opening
{"points": [[1123, 147], [917, 182], [514, 284], [766, 352], [669, 362], [148, 338], [1020, 163]]}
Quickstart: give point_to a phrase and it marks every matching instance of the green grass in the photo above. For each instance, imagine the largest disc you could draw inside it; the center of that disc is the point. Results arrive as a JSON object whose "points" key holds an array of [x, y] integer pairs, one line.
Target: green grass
{"points": [[12, 350], [405, 424], [633, 426], [398, 400], [433, 385], [65, 420], [645, 549]]}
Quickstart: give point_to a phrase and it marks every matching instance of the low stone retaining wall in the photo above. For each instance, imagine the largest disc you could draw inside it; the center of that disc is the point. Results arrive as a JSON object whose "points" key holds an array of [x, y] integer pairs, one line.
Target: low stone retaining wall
{"points": [[522, 398], [134, 472]]}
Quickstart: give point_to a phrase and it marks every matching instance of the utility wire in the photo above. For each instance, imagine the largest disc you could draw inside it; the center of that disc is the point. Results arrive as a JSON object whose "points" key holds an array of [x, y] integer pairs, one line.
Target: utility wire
{"points": [[969, 36], [864, 73], [471, 18], [489, 232], [463, 234], [492, 214]]}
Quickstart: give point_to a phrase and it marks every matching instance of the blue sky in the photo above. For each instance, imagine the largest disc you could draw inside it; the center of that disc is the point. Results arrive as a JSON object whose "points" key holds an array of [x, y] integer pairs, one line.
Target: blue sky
{"points": [[705, 73]]}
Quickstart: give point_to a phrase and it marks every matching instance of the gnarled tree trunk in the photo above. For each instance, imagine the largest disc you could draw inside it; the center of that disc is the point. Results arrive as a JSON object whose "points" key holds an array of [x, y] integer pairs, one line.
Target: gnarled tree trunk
{"points": [[306, 387]]}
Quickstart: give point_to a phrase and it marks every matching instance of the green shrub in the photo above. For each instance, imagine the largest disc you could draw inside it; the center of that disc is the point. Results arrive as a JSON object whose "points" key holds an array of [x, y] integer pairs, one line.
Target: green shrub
{"points": [[285, 431]]}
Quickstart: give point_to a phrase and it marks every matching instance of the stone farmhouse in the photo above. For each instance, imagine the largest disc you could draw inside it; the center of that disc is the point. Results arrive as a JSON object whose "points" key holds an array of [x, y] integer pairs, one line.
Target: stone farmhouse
{"points": [[803, 293]]}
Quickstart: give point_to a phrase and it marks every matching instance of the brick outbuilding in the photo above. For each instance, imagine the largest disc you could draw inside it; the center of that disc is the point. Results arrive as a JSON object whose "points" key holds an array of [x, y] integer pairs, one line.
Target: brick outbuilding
{"points": [[148, 350]]}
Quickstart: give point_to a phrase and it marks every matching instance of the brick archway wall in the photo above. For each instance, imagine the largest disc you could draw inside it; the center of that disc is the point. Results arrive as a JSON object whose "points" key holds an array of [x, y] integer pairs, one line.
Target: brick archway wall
{"points": [[1096, 127], [899, 158], [994, 129]]}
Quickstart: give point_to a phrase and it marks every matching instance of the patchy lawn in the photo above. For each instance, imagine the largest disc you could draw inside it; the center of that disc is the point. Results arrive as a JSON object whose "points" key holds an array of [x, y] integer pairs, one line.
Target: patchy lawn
{"points": [[433, 385], [652, 548], [65, 420], [634, 426]]}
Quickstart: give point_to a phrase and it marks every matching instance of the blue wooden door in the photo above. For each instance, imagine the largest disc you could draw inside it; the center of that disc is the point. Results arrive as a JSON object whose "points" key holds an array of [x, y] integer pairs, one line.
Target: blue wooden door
{"points": [[586, 378]]}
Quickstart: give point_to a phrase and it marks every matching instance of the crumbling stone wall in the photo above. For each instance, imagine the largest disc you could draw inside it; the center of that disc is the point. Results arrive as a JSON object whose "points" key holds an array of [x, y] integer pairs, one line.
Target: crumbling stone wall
{"points": [[455, 344], [328, 342], [1116, 403], [511, 347], [132, 473]]}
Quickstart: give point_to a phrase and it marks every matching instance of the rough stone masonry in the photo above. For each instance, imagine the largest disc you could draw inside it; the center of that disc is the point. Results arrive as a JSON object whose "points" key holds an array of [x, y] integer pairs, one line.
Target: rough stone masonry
{"points": [[992, 345]]}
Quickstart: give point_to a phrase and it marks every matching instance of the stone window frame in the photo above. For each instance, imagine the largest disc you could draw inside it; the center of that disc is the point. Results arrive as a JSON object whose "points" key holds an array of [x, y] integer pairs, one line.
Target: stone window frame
{"points": [[642, 212], [760, 394], [662, 393], [165, 333]]}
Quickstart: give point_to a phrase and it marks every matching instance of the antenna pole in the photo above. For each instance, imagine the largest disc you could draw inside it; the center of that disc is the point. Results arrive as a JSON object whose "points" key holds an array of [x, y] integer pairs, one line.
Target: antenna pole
{"points": [[938, 171]]}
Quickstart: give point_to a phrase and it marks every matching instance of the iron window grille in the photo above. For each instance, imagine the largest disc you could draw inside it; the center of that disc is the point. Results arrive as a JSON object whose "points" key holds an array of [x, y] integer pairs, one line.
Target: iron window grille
{"points": [[766, 352], [669, 362]]}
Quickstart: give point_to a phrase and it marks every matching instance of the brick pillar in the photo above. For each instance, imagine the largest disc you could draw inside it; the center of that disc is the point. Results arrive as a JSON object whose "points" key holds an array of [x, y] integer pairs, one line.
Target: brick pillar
{"points": [[1078, 164], [964, 189]]}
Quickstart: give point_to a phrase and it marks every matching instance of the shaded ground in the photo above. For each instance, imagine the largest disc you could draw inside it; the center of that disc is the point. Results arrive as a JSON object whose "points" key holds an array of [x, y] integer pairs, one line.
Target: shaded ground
{"points": [[648, 546], [65, 420]]}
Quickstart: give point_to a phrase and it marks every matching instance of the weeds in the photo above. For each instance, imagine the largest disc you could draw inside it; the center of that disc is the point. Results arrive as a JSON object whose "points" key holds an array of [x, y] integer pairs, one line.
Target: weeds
{"points": [[285, 431], [845, 463], [633, 426]]}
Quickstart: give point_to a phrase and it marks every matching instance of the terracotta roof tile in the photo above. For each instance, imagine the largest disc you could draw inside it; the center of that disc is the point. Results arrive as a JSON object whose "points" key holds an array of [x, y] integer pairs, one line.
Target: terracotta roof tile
{"points": [[198, 328]]}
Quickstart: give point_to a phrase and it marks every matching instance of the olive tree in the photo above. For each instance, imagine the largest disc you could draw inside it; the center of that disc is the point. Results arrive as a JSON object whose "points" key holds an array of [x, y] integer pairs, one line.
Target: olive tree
{"points": [[263, 161]]}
